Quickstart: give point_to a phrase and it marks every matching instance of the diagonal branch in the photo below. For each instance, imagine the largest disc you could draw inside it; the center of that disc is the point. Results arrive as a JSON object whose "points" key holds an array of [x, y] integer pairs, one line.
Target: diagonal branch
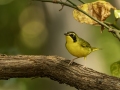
{"points": [[72, 5], [56, 68]]}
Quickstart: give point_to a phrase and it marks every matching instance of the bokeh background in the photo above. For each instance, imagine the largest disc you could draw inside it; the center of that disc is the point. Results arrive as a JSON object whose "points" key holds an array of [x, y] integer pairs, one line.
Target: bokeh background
{"points": [[37, 28]]}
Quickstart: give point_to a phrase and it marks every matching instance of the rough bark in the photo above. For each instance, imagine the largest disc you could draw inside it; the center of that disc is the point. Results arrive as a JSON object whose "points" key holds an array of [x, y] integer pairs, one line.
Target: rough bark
{"points": [[56, 68]]}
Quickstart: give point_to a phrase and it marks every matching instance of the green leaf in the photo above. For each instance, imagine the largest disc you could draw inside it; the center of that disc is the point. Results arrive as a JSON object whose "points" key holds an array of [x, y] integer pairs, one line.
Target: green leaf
{"points": [[117, 13], [115, 69]]}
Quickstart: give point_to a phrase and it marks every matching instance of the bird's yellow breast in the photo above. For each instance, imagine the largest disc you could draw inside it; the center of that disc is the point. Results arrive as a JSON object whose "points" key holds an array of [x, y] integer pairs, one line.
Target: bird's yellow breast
{"points": [[76, 50]]}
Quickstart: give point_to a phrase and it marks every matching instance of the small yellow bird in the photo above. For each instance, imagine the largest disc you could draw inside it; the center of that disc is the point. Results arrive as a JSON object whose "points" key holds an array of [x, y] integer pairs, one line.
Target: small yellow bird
{"points": [[77, 46]]}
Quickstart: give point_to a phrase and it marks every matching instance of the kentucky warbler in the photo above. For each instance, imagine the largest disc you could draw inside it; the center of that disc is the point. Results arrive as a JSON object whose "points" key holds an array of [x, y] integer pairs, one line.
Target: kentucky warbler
{"points": [[77, 46]]}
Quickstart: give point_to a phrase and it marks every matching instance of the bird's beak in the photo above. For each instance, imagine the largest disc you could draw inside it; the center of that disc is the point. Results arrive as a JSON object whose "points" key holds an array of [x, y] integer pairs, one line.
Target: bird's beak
{"points": [[65, 34]]}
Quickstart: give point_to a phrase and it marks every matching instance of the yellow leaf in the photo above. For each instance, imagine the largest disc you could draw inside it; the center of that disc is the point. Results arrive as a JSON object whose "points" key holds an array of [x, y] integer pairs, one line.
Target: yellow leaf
{"points": [[99, 10]]}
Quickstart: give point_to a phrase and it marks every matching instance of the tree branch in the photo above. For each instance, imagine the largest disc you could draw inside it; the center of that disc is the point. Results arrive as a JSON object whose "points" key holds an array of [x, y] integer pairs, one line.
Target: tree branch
{"points": [[56, 68], [72, 5]]}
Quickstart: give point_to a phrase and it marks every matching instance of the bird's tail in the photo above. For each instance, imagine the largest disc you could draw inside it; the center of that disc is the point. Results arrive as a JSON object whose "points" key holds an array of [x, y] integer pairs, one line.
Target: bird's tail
{"points": [[95, 49]]}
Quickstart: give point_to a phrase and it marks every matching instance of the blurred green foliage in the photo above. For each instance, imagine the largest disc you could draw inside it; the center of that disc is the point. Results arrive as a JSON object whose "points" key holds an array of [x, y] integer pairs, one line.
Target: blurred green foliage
{"points": [[115, 69]]}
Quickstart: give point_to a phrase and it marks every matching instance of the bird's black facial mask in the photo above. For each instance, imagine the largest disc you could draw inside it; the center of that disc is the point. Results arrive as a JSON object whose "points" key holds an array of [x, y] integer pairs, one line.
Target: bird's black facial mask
{"points": [[73, 36]]}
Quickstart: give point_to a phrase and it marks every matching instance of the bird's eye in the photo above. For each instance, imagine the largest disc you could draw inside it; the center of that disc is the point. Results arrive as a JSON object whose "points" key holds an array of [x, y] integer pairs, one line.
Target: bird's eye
{"points": [[71, 35]]}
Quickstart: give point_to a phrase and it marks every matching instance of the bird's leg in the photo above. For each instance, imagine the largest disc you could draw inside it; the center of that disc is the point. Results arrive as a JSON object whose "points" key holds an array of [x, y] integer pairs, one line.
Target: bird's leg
{"points": [[84, 62], [72, 61]]}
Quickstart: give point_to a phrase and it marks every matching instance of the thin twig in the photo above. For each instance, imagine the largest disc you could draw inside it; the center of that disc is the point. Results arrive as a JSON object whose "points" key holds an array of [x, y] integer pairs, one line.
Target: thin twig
{"points": [[111, 24], [62, 5], [82, 1], [116, 32], [71, 3]]}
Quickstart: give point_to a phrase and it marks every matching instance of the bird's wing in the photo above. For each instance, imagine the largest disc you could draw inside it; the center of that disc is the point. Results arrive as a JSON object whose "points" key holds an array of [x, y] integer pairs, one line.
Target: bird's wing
{"points": [[83, 43]]}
